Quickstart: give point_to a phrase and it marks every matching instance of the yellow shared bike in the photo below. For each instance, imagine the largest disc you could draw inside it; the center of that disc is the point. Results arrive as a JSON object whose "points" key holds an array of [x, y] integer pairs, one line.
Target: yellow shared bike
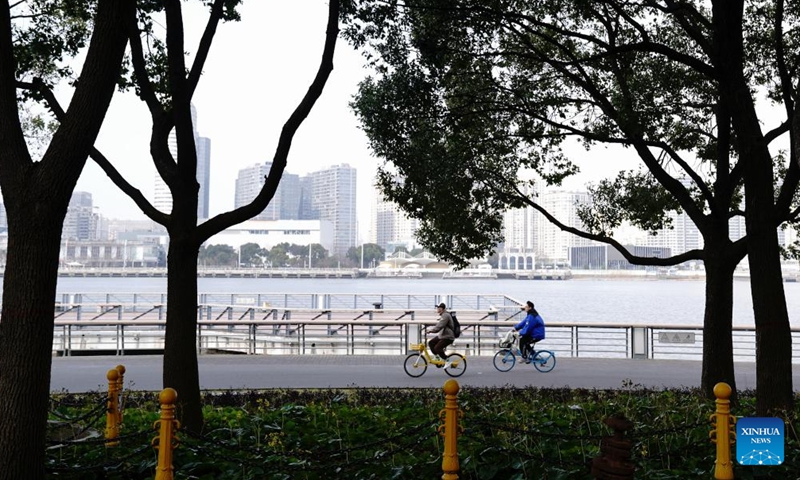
{"points": [[416, 363]]}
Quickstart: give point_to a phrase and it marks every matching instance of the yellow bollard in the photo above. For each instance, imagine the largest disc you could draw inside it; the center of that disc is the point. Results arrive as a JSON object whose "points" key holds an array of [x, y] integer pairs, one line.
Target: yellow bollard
{"points": [[166, 441], [112, 406], [450, 430], [724, 433], [120, 387]]}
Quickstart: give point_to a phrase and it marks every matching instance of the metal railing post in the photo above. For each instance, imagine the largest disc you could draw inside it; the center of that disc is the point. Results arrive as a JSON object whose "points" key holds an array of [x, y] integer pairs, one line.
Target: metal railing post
{"points": [[723, 433], [450, 430], [112, 414], [166, 441], [120, 385]]}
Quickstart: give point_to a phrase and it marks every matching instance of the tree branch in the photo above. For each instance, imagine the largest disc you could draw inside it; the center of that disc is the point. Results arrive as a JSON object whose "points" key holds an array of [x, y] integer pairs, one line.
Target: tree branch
{"points": [[146, 90], [53, 104], [631, 258], [225, 220], [15, 151], [205, 45]]}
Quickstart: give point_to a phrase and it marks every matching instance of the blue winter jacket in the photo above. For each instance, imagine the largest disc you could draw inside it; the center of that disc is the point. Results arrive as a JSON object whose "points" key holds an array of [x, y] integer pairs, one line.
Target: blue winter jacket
{"points": [[532, 325]]}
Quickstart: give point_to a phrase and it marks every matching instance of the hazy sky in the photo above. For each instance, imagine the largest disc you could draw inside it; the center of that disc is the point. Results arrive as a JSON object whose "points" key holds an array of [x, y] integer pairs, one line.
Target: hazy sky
{"points": [[257, 71]]}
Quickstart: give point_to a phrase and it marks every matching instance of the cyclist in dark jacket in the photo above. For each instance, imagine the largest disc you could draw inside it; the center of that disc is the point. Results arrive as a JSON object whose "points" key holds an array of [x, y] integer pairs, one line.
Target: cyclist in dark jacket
{"points": [[531, 330], [446, 335]]}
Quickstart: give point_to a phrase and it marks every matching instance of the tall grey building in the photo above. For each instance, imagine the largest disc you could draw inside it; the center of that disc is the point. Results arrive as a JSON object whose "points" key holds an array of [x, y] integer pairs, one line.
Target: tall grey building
{"points": [[391, 226], [307, 211], [203, 175], [81, 221], [333, 198], [249, 183], [291, 195], [328, 195], [552, 244], [162, 198]]}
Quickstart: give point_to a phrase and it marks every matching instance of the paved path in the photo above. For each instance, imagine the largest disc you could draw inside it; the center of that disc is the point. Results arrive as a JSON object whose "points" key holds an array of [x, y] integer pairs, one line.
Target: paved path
{"points": [[79, 374]]}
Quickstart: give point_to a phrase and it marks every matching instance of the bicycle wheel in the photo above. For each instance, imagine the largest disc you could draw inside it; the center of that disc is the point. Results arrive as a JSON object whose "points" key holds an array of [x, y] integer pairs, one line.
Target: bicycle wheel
{"points": [[544, 360], [459, 367], [415, 365], [504, 360]]}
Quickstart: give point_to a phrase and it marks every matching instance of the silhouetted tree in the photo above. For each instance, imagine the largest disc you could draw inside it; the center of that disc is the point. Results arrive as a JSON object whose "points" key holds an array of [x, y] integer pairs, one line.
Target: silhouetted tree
{"points": [[469, 92], [34, 39]]}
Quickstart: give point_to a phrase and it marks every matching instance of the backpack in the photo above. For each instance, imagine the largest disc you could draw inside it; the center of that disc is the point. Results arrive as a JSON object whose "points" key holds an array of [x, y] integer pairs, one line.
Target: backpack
{"points": [[456, 325]]}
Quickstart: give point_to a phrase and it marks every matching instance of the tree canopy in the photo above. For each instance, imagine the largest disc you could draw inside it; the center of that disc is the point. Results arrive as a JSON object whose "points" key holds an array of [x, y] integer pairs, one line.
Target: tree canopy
{"points": [[467, 95]]}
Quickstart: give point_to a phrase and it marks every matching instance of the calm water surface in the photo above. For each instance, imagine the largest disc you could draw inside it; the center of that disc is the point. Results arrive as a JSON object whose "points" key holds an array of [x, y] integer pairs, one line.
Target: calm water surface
{"points": [[653, 302]]}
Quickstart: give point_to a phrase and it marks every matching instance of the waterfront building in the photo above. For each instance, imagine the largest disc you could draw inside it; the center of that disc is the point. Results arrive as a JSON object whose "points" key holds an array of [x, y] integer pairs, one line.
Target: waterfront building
{"points": [[162, 197], [682, 237], [249, 183], [333, 199], [552, 244], [120, 229], [203, 175], [520, 228], [607, 257], [268, 233], [82, 220], [285, 204], [111, 254], [328, 195], [392, 227]]}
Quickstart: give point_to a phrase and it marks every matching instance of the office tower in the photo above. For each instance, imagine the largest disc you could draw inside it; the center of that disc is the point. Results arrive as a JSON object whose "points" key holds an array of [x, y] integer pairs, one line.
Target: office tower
{"points": [[162, 198], [291, 194], [248, 185], [203, 175], [391, 226], [553, 244], [81, 221], [333, 198], [307, 211], [520, 224], [682, 237]]}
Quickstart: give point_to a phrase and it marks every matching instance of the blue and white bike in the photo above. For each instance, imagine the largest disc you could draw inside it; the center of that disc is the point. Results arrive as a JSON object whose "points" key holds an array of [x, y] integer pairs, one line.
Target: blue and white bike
{"points": [[506, 358]]}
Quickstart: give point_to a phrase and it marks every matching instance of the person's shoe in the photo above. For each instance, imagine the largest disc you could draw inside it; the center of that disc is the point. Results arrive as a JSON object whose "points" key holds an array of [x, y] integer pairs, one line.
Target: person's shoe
{"points": [[526, 360]]}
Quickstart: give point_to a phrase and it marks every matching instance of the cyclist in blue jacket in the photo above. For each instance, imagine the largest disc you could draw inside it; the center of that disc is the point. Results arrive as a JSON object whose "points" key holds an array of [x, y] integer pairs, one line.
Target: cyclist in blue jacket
{"points": [[531, 330]]}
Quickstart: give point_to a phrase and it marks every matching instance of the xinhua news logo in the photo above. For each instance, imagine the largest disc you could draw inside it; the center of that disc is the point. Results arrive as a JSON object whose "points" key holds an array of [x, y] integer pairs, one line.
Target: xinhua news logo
{"points": [[759, 441]]}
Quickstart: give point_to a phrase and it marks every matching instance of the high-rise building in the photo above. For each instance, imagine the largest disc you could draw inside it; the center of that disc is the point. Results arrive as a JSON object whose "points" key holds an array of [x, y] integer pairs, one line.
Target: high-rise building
{"points": [[553, 244], [162, 197], [520, 225], [391, 226], [249, 183], [333, 197], [203, 175], [682, 237], [291, 195], [328, 195], [81, 221]]}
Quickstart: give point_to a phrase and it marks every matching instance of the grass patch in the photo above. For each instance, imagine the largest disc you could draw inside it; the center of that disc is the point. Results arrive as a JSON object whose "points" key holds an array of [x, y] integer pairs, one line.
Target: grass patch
{"points": [[509, 433]]}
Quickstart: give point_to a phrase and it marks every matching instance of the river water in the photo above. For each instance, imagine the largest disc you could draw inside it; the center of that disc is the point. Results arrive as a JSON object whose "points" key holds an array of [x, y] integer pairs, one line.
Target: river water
{"points": [[629, 301]]}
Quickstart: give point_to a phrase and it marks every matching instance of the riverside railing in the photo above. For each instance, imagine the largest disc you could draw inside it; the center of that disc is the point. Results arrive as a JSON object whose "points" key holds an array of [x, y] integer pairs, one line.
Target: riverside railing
{"points": [[389, 332]]}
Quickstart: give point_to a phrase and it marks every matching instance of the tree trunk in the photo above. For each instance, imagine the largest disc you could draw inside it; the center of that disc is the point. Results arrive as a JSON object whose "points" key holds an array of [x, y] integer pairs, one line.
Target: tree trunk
{"points": [[773, 332], [26, 339], [717, 323], [180, 349]]}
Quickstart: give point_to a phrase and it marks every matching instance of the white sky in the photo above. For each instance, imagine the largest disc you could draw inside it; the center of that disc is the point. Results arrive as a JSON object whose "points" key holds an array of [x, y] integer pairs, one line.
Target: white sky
{"points": [[257, 72]]}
